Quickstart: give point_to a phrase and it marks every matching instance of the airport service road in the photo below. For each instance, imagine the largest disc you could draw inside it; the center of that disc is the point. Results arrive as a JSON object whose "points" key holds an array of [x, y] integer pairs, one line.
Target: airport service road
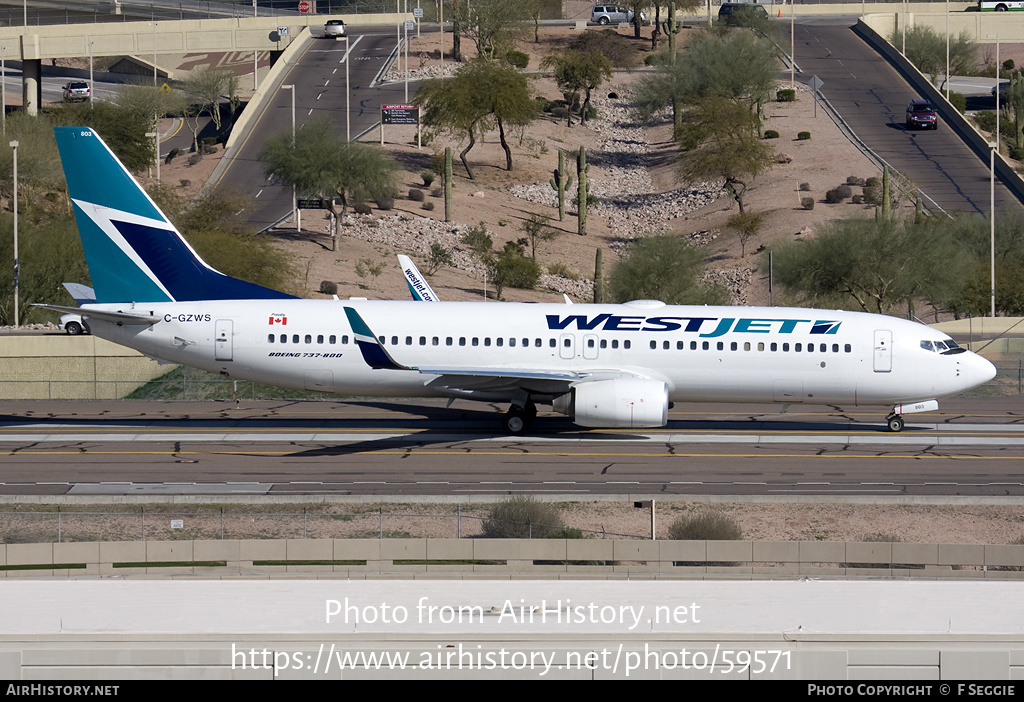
{"points": [[373, 447]]}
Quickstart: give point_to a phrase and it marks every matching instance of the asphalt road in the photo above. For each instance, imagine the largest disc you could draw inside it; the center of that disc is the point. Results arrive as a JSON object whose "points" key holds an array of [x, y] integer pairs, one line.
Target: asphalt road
{"points": [[872, 98], [375, 447], [319, 80]]}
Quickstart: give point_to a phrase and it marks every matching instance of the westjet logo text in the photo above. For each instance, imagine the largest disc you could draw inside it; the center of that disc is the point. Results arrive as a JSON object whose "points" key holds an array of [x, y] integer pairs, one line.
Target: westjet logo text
{"points": [[703, 326]]}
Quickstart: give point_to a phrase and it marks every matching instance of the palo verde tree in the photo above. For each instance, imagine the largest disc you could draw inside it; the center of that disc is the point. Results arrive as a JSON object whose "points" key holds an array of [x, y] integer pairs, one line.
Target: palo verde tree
{"points": [[320, 163], [665, 268], [490, 24], [871, 265], [926, 49], [579, 71], [202, 89], [481, 95]]}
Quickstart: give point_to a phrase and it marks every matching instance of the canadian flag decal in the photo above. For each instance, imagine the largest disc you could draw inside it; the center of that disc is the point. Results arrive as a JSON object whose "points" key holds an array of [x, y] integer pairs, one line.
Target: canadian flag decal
{"points": [[278, 320]]}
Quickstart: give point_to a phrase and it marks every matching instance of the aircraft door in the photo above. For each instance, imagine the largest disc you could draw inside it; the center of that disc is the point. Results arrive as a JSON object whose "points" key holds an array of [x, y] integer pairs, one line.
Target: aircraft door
{"points": [[883, 351], [590, 345], [567, 346], [222, 340]]}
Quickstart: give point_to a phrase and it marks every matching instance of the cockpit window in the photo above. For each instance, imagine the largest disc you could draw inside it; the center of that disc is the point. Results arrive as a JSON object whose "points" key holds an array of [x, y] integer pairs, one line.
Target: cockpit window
{"points": [[927, 346]]}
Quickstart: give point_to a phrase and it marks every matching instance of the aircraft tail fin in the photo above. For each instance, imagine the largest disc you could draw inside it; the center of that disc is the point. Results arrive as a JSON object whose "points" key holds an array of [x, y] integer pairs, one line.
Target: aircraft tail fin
{"points": [[419, 288], [133, 251]]}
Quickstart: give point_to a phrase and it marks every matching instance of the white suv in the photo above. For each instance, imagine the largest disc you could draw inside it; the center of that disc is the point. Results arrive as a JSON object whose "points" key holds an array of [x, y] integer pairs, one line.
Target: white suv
{"points": [[334, 28], [613, 14]]}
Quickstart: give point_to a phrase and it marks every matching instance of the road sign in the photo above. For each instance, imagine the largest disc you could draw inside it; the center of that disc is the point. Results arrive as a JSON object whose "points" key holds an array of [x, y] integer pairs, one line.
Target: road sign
{"points": [[282, 31], [305, 7], [311, 203], [417, 12], [399, 114], [410, 25]]}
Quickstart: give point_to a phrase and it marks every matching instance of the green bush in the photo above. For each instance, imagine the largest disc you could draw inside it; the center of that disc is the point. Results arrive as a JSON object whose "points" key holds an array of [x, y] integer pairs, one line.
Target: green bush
{"points": [[522, 517], [807, 203], [805, 187], [803, 136], [385, 203], [428, 177], [959, 101], [518, 59], [838, 194], [771, 134], [416, 195], [428, 206], [786, 95]]}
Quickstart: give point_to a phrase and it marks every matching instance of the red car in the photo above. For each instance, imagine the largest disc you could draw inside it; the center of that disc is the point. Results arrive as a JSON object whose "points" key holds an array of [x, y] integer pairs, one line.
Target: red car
{"points": [[921, 115]]}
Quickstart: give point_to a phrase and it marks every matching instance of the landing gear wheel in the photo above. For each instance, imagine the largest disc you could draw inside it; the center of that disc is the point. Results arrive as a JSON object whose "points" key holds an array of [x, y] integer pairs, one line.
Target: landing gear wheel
{"points": [[895, 423], [530, 412], [515, 421]]}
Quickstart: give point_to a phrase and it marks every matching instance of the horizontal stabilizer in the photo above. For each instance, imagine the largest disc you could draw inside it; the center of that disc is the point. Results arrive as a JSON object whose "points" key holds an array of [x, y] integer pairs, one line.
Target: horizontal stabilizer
{"points": [[118, 317]]}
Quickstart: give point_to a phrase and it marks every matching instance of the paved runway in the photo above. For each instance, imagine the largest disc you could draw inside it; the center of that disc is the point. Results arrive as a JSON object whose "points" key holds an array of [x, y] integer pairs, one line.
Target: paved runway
{"points": [[373, 447]]}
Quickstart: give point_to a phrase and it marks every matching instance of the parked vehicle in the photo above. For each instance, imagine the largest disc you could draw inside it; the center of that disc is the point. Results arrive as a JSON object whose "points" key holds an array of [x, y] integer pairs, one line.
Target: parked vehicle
{"points": [[614, 14], [73, 324]]}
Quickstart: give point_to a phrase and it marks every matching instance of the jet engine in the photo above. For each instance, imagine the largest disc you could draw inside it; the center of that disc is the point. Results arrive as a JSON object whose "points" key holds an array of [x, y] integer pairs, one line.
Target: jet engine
{"points": [[620, 402]]}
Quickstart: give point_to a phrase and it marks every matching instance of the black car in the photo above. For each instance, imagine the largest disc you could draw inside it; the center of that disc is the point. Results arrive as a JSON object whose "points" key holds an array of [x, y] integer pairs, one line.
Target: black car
{"points": [[921, 115]]}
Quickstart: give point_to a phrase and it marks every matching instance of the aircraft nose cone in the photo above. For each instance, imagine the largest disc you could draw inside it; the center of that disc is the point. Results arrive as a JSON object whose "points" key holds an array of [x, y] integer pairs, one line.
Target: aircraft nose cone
{"points": [[984, 370]]}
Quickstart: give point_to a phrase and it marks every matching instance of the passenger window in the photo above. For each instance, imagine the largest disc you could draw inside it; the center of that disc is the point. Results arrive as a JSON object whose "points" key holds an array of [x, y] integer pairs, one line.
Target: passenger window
{"points": [[798, 348], [394, 341], [733, 346], [666, 346], [319, 338], [625, 344], [706, 345], [848, 348], [654, 345], [615, 343], [693, 345], [785, 348], [284, 338], [270, 338], [590, 343], [309, 338], [295, 338], [746, 345], [721, 346], [423, 341], [680, 346], [344, 339], [537, 343], [760, 346], [604, 343], [476, 341], [499, 341], [551, 343], [822, 348], [462, 341], [487, 341], [774, 346], [835, 348], [448, 341], [434, 341], [408, 341]]}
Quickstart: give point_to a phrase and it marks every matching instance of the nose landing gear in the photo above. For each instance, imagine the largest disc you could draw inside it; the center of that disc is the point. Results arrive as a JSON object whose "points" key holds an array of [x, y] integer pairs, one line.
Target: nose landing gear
{"points": [[895, 422]]}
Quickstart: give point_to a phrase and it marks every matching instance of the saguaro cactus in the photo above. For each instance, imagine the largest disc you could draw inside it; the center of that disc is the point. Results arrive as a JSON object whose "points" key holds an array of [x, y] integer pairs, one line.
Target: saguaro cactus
{"points": [[584, 190], [448, 184], [561, 183]]}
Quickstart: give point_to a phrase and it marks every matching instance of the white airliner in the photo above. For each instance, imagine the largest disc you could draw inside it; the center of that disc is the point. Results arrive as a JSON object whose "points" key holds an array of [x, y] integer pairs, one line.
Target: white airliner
{"points": [[603, 365]]}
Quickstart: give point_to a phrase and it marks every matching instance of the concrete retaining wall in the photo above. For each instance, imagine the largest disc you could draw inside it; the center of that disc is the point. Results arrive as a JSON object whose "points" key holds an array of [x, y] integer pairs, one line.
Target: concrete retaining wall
{"points": [[610, 558], [62, 367]]}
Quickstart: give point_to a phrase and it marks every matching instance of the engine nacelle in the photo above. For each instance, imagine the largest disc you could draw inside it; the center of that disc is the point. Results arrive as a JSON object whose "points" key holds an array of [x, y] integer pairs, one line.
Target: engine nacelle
{"points": [[622, 402]]}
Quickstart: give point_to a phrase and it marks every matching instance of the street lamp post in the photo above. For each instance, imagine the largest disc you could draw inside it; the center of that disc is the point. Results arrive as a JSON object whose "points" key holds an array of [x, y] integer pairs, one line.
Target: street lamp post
{"points": [[992, 221], [156, 147], [348, 94], [17, 271], [998, 110], [295, 205]]}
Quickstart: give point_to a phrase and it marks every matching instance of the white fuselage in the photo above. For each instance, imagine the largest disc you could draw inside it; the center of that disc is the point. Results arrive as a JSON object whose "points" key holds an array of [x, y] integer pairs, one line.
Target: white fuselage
{"points": [[724, 354]]}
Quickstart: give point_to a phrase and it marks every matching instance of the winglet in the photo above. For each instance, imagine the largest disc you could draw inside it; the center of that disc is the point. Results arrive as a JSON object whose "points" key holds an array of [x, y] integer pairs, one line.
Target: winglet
{"points": [[374, 354], [419, 288]]}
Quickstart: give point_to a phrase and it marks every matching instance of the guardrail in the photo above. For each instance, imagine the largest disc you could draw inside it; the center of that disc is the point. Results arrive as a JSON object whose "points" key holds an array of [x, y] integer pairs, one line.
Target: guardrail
{"points": [[502, 557]]}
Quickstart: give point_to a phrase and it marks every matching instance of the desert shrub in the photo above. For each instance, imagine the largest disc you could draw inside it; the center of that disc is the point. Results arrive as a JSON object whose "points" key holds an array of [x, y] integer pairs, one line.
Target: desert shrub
{"points": [[959, 101], [771, 134], [428, 177], [518, 59], [438, 257], [854, 180], [805, 187], [361, 208], [428, 206], [512, 269], [385, 203], [436, 192], [560, 269], [328, 287], [786, 95], [478, 240], [416, 195], [838, 194], [619, 49], [1009, 65], [807, 203], [560, 112], [1017, 153], [803, 136], [706, 525], [857, 199], [872, 181], [522, 517]]}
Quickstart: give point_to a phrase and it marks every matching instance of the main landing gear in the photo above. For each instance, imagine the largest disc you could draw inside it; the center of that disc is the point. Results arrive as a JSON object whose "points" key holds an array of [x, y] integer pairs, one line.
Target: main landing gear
{"points": [[519, 419]]}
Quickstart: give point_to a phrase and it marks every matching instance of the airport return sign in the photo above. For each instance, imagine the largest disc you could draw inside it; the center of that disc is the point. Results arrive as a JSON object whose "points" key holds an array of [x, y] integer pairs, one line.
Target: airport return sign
{"points": [[400, 114]]}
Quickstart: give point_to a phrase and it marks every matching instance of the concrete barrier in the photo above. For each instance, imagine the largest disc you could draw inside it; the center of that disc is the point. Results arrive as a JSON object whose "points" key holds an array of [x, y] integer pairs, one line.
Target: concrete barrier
{"points": [[611, 558]]}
